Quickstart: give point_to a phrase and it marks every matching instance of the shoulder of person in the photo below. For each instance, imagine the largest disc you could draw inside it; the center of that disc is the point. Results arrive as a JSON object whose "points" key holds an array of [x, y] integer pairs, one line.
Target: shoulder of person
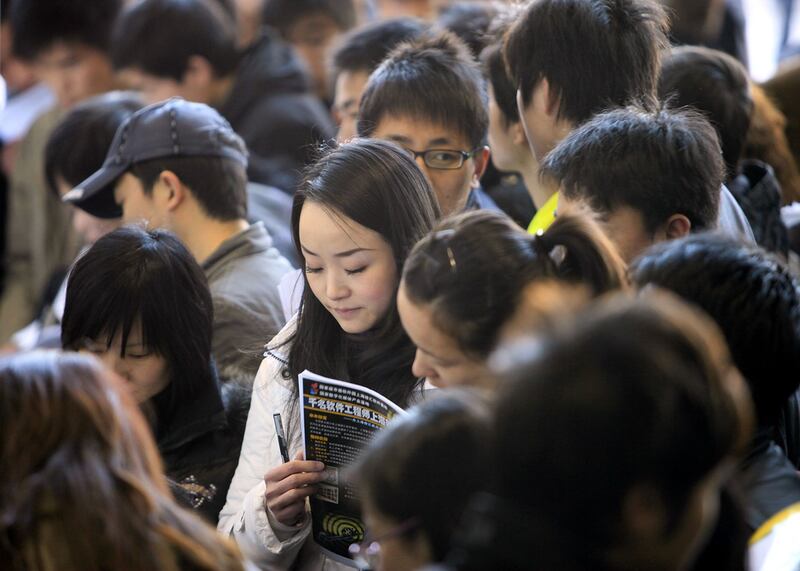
{"points": [[270, 381]]}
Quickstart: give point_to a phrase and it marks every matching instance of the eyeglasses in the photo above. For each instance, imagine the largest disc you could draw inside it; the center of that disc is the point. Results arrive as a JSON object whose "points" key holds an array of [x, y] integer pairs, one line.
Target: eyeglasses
{"points": [[443, 159], [367, 554]]}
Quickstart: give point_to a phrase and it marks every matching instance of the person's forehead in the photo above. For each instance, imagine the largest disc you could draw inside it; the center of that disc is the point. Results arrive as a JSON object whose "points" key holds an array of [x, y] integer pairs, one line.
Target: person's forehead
{"points": [[135, 78], [419, 130], [428, 337], [127, 183], [352, 79], [61, 50], [313, 23], [325, 228], [350, 84]]}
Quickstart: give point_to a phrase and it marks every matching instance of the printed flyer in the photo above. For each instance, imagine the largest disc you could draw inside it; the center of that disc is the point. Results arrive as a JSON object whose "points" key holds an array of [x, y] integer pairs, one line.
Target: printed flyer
{"points": [[338, 420]]}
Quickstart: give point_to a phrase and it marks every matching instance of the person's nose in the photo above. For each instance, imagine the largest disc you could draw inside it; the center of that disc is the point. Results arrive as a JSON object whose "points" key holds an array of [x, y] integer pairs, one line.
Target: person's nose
{"points": [[421, 367], [335, 287], [114, 362]]}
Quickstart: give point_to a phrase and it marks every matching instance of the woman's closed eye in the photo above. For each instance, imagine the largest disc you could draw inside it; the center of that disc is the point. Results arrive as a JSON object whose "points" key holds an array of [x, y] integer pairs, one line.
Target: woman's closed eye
{"points": [[356, 270], [310, 270], [137, 354]]}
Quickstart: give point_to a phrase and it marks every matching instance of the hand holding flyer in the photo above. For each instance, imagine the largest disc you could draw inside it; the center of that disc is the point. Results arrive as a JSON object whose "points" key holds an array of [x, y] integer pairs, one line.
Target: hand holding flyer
{"points": [[338, 420]]}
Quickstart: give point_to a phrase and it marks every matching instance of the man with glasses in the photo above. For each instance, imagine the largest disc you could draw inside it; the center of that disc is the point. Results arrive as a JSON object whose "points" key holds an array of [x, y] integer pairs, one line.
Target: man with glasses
{"points": [[429, 97]]}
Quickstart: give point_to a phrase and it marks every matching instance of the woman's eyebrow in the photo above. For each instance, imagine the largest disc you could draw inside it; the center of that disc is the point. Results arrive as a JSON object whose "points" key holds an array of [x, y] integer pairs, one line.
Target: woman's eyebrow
{"points": [[353, 251], [340, 254]]}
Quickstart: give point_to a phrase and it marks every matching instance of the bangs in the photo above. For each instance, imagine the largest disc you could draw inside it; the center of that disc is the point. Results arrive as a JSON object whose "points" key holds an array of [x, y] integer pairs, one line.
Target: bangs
{"points": [[453, 99], [114, 301], [118, 312]]}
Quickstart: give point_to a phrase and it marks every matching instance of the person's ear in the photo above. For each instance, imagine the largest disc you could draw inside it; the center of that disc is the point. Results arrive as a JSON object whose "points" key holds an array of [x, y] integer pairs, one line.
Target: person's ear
{"points": [[549, 98], [517, 134], [644, 513], [173, 190], [199, 74], [481, 160], [677, 226]]}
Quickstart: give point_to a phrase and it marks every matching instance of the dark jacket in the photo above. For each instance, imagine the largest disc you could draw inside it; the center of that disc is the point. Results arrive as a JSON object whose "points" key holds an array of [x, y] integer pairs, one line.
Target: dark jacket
{"points": [[496, 534], [771, 483], [273, 109], [758, 192], [479, 200], [200, 446]]}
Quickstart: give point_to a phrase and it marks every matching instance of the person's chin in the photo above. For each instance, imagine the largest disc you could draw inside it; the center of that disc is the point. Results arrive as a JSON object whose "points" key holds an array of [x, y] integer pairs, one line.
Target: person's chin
{"points": [[353, 328], [350, 320]]}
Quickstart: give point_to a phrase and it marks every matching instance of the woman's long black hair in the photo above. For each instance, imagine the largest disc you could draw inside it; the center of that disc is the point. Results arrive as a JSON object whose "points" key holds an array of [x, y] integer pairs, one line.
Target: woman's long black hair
{"points": [[132, 275], [379, 186]]}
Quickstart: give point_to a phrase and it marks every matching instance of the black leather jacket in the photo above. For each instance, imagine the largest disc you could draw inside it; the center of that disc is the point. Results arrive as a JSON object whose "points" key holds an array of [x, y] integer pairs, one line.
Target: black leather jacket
{"points": [[200, 447], [770, 481]]}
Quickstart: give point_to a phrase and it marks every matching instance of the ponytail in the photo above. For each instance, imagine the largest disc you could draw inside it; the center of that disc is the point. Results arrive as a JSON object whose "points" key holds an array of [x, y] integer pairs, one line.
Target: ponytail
{"points": [[470, 271], [578, 251]]}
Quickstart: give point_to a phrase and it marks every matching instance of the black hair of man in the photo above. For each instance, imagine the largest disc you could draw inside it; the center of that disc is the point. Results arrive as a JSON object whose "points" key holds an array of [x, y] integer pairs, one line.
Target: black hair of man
{"points": [[470, 21], [218, 184], [754, 299], [39, 24], [159, 36], [78, 145], [281, 14], [658, 163], [432, 79], [364, 48], [594, 54], [494, 65], [717, 85]]}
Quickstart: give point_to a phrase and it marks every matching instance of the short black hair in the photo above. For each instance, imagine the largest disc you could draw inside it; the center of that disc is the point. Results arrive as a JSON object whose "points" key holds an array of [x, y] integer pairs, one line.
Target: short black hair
{"points": [[494, 65], [754, 299], [641, 390], [432, 79], [364, 48], [595, 54], [77, 147], [281, 14], [159, 36], [716, 84], [658, 163], [132, 275], [218, 184], [470, 21], [407, 471], [38, 24]]}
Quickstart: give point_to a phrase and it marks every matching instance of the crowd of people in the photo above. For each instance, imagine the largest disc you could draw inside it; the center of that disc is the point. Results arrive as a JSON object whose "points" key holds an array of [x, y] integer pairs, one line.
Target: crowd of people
{"points": [[562, 235]]}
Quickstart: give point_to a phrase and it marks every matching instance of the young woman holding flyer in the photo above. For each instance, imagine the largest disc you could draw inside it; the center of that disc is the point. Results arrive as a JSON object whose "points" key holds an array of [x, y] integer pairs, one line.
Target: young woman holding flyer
{"points": [[356, 216]]}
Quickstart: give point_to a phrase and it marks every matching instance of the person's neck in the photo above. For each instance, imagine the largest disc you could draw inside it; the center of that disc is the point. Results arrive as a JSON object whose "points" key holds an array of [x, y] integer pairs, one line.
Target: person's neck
{"points": [[205, 238], [539, 192], [559, 131], [220, 89]]}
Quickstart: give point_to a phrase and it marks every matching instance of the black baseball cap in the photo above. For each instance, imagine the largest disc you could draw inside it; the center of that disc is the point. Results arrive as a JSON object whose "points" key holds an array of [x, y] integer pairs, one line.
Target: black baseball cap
{"points": [[171, 128]]}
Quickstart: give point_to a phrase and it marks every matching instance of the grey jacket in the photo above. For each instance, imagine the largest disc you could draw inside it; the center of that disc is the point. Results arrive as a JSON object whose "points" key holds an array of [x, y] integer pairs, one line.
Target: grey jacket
{"points": [[243, 276]]}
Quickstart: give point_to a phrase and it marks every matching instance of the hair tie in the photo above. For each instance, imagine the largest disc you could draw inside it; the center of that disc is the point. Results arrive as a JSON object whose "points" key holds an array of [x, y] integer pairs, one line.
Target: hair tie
{"points": [[554, 255], [445, 235], [539, 245]]}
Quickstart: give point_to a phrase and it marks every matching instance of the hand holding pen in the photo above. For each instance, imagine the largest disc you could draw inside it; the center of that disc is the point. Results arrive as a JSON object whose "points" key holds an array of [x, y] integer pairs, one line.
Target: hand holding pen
{"points": [[289, 484]]}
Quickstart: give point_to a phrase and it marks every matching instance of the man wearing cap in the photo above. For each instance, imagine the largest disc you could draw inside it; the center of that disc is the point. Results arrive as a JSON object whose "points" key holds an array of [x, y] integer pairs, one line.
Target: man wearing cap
{"points": [[178, 165]]}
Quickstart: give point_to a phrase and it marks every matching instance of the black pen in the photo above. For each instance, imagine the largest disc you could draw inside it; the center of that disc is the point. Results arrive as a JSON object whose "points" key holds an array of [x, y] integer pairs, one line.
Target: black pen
{"points": [[281, 436]]}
